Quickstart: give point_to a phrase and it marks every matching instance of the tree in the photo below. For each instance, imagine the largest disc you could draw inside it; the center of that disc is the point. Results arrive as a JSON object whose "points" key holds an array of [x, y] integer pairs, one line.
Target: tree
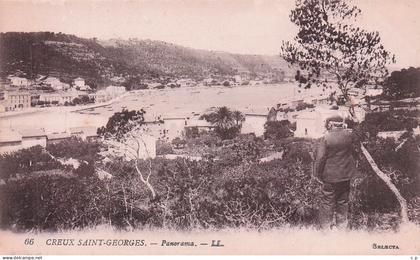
{"points": [[124, 135], [330, 44], [403, 84], [239, 117], [179, 143], [277, 129], [227, 123]]}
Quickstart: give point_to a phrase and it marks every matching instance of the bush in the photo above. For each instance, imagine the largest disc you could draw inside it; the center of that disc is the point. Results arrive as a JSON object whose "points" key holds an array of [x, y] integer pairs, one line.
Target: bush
{"points": [[26, 161], [53, 203], [396, 120], [163, 148], [179, 143], [278, 129]]}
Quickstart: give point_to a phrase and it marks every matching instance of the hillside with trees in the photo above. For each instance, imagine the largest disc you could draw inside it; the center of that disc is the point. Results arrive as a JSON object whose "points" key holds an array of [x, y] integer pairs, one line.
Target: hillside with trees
{"points": [[68, 56]]}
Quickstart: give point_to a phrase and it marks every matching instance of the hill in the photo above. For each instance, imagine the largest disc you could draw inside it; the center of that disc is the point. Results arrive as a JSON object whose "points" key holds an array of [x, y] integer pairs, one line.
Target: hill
{"points": [[68, 56]]}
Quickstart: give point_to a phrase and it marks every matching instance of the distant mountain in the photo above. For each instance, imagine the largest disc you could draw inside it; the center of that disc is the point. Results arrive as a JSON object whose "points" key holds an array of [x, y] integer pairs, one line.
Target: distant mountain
{"points": [[68, 56]]}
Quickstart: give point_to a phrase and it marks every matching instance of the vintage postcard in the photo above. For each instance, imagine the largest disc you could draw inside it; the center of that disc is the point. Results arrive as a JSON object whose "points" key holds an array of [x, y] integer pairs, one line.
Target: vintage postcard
{"points": [[209, 127]]}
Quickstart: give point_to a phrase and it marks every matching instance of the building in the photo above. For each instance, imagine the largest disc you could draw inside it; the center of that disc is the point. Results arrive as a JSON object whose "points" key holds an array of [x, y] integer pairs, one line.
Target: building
{"points": [[295, 103], [174, 127], [10, 140], [16, 100], [311, 124], [115, 91], [33, 137], [18, 81], [60, 97], [85, 133], [55, 83], [186, 82], [68, 96], [254, 123], [79, 83], [54, 138], [52, 98], [100, 96], [85, 88], [197, 125], [237, 79]]}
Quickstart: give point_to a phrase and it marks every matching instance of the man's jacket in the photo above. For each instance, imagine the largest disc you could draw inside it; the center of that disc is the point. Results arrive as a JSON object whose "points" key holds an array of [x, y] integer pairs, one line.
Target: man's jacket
{"points": [[334, 161]]}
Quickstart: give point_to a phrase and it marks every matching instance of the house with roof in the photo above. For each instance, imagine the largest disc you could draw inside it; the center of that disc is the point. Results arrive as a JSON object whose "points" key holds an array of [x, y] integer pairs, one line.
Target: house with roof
{"points": [[100, 96], [115, 91], [78, 82], [33, 137], [54, 138], [16, 100], [254, 123], [10, 140], [55, 83], [85, 133], [18, 81], [186, 82], [173, 126]]}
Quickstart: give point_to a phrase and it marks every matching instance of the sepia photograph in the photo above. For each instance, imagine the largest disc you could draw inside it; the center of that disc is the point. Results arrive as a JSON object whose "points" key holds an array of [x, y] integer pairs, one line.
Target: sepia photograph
{"points": [[209, 127]]}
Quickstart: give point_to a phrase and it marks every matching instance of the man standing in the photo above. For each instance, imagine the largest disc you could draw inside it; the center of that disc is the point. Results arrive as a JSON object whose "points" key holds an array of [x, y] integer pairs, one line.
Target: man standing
{"points": [[334, 167]]}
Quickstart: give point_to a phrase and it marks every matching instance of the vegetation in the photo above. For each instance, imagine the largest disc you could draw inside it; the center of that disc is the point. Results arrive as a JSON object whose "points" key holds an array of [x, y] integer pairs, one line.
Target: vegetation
{"points": [[98, 62], [227, 123], [278, 129], [403, 84], [397, 120], [329, 44], [122, 123], [229, 187]]}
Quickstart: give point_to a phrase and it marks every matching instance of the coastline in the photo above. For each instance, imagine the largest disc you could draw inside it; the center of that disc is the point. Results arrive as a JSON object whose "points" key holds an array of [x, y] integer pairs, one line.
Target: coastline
{"points": [[34, 110]]}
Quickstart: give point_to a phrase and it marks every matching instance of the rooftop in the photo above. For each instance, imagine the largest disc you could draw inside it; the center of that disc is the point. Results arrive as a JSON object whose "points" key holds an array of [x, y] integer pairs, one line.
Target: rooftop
{"points": [[87, 131], [56, 136], [9, 135], [32, 132]]}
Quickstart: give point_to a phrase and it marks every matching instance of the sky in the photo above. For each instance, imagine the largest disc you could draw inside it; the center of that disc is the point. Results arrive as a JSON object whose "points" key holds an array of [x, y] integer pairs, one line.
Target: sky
{"points": [[238, 26]]}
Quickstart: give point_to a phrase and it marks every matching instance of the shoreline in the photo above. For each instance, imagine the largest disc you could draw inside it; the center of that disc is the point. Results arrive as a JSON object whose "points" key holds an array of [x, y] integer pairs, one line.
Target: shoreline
{"points": [[63, 108], [179, 102]]}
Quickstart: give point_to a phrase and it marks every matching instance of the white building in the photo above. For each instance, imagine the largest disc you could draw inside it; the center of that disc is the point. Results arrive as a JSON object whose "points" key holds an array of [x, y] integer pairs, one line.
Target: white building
{"points": [[54, 138], [115, 91], [186, 82], [55, 83], [79, 83], [60, 97], [33, 137], [254, 123], [10, 140], [174, 127], [18, 81], [85, 133], [238, 79], [100, 96], [17, 100], [311, 124]]}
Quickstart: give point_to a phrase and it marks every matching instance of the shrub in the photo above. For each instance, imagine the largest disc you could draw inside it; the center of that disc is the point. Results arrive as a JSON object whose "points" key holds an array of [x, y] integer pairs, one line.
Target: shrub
{"points": [[163, 148], [278, 129], [179, 143]]}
